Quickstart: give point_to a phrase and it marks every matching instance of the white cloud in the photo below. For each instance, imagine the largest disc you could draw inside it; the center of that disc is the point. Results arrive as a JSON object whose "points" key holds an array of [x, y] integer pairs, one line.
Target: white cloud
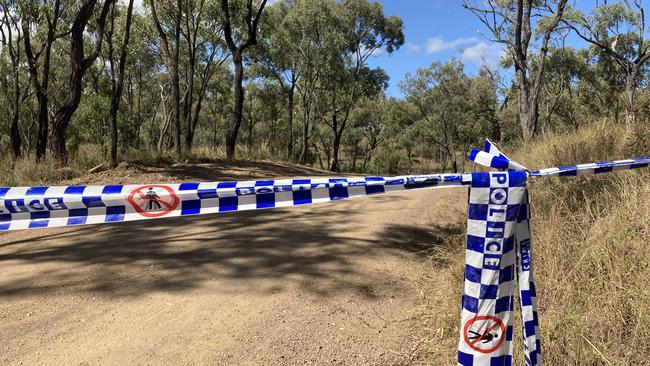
{"points": [[483, 53], [471, 49], [438, 44], [138, 6]]}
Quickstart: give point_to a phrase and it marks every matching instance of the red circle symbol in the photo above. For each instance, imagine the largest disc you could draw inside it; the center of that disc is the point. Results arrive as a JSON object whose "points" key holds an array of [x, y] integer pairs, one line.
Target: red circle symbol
{"points": [[484, 334], [154, 201]]}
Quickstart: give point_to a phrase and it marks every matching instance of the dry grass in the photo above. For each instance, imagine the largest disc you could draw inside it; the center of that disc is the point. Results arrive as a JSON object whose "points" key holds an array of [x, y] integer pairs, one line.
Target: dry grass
{"points": [[592, 262]]}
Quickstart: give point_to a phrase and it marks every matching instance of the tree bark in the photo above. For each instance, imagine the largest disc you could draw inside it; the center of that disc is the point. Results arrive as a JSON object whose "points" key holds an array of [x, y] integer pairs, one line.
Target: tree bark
{"points": [[16, 141], [527, 111], [630, 95], [290, 98], [304, 151], [336, 146], [237, 112], [189, 101]]}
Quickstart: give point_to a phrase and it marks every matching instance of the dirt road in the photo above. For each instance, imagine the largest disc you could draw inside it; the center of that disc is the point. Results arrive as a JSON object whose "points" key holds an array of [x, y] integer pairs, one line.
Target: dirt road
{"points": [[336, 283]]}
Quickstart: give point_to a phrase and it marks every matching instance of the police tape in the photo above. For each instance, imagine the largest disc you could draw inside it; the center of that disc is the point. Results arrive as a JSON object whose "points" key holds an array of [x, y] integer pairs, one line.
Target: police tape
{"points": [[499, 245], [41, 207], [499, 242]]}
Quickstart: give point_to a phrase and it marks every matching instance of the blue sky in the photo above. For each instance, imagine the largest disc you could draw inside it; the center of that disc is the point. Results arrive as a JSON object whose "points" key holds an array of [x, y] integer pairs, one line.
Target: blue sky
{"points": [[435, 30], [438, 30]]}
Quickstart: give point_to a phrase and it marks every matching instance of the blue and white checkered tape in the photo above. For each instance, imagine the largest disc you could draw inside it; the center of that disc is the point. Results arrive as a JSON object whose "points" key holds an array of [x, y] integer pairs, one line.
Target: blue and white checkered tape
{"points": [[593, 168], [498, 247], [491, 157], [40, 207]]}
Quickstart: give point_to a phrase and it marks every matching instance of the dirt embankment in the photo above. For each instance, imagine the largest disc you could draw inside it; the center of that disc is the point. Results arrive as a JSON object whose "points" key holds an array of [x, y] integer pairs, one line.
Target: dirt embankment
{"points": [[337, 283]]}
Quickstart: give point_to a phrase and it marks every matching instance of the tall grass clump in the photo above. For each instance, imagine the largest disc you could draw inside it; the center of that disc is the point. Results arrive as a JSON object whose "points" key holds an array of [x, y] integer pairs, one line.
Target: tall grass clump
{"points": [[592, 250], [27, 171]]}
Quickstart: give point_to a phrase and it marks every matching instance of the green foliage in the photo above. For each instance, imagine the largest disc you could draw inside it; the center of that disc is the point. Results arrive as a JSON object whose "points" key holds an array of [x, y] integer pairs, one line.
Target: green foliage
{"points": [[90, 123], [311, 68]]}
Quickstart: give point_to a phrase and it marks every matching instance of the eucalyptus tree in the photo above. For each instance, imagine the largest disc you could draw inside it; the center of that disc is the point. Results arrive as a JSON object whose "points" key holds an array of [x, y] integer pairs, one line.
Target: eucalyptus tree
{"points": [[513, 24], [40, 20], [142, 77], [364, 30], [240, 20], [202, 31], [11, 37], [368, 121], [117, 72], [168, 25], [618, 29], [565, 69], [276, 58], [311, 27], [80, 62]]}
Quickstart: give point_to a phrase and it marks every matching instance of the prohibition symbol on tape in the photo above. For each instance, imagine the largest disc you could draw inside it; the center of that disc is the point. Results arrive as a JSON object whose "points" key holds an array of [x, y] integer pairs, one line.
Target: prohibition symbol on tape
{"points": [[154, 201], [484, 334]]}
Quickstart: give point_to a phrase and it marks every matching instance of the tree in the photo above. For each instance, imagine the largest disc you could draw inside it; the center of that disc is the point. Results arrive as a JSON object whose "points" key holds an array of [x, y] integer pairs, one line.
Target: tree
{"points": [[11, 36], [365, 30], [31, 15], [310, 26], [276, 59], [618, 30], [202, 36], [448, 112], [238, 40], [80, 62], [172, 55], [117, 76], [511, 23]]}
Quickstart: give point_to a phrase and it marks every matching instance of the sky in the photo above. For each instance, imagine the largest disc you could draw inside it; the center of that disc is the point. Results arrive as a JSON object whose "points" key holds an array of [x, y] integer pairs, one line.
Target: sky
{"points": [[435, 30], [439, 30]]}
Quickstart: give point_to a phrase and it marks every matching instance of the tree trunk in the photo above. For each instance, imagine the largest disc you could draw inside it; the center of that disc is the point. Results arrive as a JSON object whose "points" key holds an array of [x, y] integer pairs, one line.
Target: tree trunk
{"points": [[172, 59], [118, 85], [43, 125], [290, 121], [336, 141], [41, 86], [304, 151], [237, 112], [189, 101], [527, 107], [336, 146], [15, 133], [64, 114], [630, 107], [16, 141], [176, 81], [237, 52]]}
